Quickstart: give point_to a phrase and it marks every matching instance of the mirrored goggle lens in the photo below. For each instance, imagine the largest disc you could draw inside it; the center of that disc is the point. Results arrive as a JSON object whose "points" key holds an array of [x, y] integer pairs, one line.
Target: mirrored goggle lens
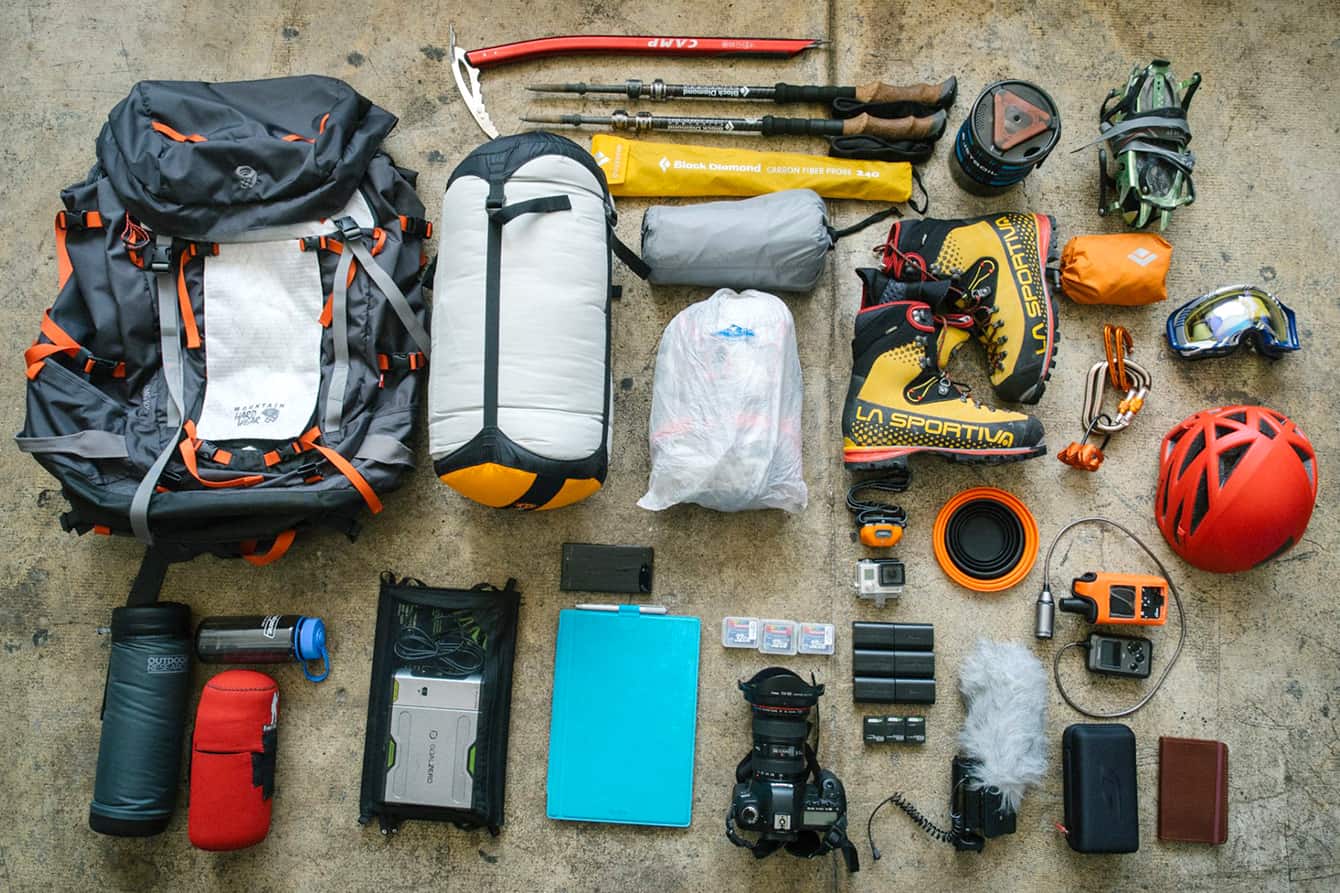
{"points": [[1221, 318]]}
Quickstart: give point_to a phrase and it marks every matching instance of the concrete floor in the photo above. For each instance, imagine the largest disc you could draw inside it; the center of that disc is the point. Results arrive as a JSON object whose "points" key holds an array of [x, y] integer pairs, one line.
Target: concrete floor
{"points": [[1260, 669]]}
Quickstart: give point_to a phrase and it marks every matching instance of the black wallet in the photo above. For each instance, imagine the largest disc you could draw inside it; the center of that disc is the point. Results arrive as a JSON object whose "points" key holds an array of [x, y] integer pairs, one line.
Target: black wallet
{"points": [[1101, 798]]}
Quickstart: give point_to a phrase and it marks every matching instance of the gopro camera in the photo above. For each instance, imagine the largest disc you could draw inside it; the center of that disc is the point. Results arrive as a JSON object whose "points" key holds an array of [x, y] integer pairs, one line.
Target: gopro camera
{"points": [[432, 747], [879, 579]]}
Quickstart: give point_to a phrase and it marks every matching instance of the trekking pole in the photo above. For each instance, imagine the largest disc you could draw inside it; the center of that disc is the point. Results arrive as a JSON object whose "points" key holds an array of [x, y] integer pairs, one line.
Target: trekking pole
{"points": [[932, 95], [929, 127]]}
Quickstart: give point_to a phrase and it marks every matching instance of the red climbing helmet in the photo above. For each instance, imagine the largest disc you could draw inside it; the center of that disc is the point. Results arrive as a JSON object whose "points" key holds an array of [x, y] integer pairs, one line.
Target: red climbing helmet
{"points": [[1236, 487]]}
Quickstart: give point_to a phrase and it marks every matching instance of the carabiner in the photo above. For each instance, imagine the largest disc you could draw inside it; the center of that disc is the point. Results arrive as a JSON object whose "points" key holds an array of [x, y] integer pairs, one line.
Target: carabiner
{"points": [[1129, 405], [1125, 375]]}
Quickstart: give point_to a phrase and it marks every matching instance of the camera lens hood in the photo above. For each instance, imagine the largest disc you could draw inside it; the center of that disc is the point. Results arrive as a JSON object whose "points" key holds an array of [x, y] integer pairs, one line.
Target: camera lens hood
{"points": [[778, 687]]}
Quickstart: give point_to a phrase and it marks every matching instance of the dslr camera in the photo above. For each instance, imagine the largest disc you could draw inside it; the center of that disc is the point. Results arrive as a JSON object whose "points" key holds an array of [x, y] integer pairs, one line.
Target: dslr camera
{"points": [[782, 794]]}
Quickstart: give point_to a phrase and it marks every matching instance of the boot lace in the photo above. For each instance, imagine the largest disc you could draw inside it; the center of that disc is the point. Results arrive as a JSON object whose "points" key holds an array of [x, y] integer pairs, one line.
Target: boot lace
{"points": [[985, 316], [943, 383], [969, 298]]}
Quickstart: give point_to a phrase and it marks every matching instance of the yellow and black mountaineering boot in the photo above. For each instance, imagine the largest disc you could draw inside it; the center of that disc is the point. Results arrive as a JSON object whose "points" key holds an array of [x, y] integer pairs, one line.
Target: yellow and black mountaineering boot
{"points": [[1000, 261], [900, 401]]}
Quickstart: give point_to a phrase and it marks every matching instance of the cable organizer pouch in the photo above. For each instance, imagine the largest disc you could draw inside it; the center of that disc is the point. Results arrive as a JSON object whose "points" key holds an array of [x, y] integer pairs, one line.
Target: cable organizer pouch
{"points": [[439, 704]]}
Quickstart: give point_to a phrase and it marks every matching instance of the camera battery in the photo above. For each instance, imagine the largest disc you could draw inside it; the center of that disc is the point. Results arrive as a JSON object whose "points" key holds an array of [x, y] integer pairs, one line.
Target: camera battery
{"points": [[892, 636], [906, 664], [894, 729], [874, 690]]}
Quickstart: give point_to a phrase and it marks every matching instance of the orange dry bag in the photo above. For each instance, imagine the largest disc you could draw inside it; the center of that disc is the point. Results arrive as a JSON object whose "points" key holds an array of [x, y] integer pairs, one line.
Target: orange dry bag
{"points": [[1121, 268]]}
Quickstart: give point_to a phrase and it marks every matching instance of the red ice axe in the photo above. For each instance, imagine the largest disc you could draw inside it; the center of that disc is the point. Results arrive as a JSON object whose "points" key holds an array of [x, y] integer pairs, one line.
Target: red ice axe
{"points": [[467, 64]]}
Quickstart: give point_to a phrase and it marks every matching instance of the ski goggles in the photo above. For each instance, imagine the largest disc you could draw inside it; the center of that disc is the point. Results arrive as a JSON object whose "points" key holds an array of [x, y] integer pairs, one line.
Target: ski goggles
{"points": [[1216, 324]]}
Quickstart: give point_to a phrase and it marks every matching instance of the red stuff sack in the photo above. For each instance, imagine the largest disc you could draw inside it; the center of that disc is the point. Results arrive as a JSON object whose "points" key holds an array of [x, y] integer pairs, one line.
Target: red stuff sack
{"points": [[233, 761]]}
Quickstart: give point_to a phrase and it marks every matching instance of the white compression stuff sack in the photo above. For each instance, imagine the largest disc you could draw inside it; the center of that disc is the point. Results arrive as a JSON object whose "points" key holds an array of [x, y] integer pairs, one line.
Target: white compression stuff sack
{"points": [[725, 408]]}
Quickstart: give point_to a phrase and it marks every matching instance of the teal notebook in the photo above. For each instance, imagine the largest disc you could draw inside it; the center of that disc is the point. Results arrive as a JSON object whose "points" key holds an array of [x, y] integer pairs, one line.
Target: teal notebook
{"points": [[625, 712]]}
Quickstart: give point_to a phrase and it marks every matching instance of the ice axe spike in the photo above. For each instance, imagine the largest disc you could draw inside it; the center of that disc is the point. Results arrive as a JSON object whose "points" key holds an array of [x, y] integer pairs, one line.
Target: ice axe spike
{"points": [[467, 64]]}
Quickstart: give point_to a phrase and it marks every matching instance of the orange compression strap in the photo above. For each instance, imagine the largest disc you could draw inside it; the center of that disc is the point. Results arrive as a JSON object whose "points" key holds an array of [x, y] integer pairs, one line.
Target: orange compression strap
{"points": [[276, 551], [184, 302], [64, 269], [60, 342], [295, 138], [188, 448], [176, 135], [345, 467], [64, 219]]}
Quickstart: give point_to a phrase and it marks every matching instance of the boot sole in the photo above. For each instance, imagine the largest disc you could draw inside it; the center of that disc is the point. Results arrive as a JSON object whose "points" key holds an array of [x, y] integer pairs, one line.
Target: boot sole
{"points": [[1052, 258], [862, 459]]}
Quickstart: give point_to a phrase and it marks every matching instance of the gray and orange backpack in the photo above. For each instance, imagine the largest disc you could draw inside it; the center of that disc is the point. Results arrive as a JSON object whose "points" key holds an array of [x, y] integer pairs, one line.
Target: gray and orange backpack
{"points": [[235, 351]]}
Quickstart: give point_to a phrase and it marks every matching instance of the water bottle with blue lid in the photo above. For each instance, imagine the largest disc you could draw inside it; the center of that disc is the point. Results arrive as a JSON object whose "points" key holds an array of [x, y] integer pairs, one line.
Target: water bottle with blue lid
{"points": [[269, 639]]}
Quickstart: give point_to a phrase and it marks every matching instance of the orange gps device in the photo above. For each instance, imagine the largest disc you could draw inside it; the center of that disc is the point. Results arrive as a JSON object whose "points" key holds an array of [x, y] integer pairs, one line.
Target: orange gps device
{"points": [[1138, 599]]}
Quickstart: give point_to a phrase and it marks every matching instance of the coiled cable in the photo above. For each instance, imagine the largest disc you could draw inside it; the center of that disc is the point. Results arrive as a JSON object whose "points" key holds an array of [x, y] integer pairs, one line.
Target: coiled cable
{"points": [[956, 823], [454, 653], [1181, 621]]}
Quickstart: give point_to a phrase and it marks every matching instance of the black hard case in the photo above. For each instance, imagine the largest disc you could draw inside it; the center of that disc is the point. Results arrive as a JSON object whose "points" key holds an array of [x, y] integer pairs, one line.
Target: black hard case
{"points": [[1101, 794]]}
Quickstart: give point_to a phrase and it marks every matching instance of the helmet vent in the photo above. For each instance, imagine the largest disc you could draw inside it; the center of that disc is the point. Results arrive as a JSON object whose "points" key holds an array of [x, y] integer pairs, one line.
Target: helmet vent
{"points": [[1266, 429], [1197, 447], [1228, 460], [1238, 416], [1223, 430], [1306, 458], [1200, 506]]}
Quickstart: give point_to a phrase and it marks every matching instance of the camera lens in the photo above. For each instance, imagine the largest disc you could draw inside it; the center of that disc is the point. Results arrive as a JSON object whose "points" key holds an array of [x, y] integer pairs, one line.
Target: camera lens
{"points": [[891, 574]]}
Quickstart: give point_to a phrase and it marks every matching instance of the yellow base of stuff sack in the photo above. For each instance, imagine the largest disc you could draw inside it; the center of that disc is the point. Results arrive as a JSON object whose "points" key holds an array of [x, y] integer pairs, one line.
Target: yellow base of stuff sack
{"points": [[638, 168], [1127, 269]]}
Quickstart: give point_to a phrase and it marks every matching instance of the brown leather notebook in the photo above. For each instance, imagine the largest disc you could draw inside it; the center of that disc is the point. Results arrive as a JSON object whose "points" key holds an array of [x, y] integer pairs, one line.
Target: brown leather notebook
{"points": [[1193, 790]]}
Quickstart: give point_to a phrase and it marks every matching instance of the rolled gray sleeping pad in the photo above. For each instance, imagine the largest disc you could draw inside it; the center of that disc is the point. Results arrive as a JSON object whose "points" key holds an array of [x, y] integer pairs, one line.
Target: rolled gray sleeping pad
{"points": [[143, 720], [774, 242]]}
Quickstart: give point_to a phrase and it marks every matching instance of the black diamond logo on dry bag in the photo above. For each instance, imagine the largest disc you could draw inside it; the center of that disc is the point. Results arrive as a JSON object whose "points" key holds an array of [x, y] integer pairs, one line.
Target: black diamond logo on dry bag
{"points": [[246, 176]]}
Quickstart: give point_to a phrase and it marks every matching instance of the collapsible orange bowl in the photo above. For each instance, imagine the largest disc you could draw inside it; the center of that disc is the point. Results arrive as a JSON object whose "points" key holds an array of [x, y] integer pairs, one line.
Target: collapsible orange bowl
{"points": [[985, 539]]}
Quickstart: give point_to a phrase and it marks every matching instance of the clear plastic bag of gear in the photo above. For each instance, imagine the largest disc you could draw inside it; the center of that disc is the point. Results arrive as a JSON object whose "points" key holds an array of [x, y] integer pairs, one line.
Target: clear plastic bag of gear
{"points": [[726, 407]]}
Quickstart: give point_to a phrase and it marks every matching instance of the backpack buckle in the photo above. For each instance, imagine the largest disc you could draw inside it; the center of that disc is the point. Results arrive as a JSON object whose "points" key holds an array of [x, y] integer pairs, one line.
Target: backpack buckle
{"points": [[158, 257], [349, 229], [100, 366]]}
